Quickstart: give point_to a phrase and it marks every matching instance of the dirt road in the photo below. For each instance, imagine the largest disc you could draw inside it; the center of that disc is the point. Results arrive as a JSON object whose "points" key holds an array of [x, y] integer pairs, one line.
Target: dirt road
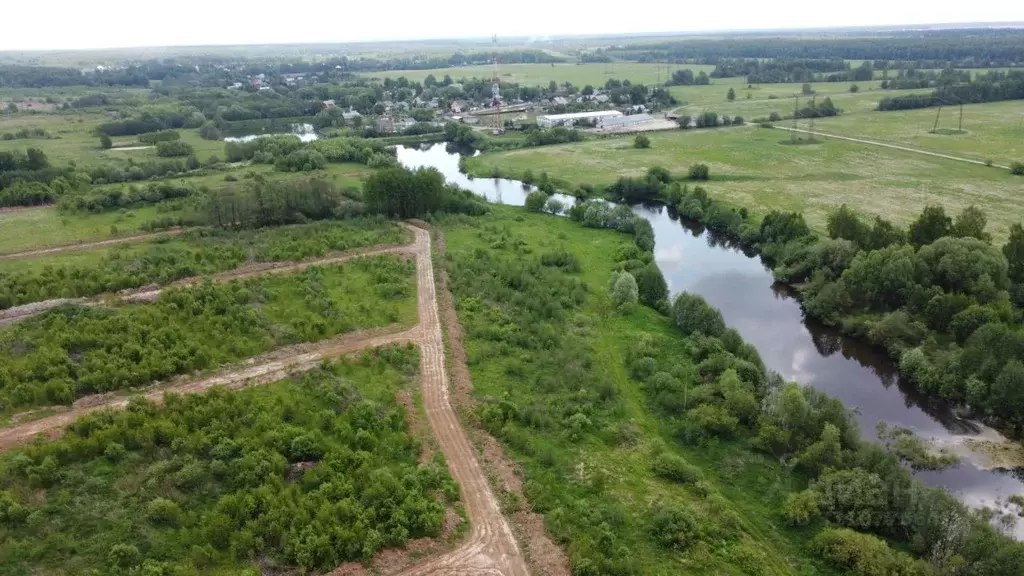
{"points": [[490, 549], [893, 146], [88, 245]]}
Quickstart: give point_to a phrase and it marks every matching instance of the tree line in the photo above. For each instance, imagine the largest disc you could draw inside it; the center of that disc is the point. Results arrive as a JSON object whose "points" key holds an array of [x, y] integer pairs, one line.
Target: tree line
{"points": [[991, 87], [974, 48]]}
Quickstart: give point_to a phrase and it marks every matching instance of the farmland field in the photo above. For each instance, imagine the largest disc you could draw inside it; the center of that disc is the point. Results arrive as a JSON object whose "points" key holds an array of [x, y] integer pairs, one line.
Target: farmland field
{"points": [[751, 167], [767, 98], [993, 131], [540, 74]]}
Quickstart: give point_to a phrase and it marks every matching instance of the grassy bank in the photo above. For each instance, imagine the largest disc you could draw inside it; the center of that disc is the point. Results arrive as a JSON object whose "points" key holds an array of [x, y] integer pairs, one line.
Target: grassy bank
{"points": [[642, 437], [755, 168]]}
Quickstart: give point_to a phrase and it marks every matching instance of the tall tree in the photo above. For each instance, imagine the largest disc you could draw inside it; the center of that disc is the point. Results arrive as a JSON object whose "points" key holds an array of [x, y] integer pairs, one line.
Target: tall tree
{"points": [[931, 225]]}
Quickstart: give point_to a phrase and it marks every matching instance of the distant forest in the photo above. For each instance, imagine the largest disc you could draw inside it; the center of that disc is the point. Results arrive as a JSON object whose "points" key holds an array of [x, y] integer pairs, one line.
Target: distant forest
{"points": [[958, 48]]}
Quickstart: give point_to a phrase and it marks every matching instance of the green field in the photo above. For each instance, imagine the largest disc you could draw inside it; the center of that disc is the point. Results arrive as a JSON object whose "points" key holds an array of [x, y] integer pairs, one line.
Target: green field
{"points": [[751, 167], [46, 227], [993, 131], [123, 501], [541, 74], [767, 98]]}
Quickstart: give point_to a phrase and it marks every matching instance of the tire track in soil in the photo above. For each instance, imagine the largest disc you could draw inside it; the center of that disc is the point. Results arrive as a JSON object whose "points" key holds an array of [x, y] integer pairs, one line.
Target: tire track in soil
{"points": [[490, 548], [88, 245], [150, 293]]}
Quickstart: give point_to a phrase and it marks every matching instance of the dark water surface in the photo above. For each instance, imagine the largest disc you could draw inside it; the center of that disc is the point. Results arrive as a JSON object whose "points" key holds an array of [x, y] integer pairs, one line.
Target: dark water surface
{"points": [[769, 317]]}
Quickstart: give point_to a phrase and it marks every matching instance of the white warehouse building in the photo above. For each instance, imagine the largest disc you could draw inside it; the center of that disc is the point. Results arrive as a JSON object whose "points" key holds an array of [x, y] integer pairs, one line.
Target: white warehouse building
{"points": [[571, 119]]}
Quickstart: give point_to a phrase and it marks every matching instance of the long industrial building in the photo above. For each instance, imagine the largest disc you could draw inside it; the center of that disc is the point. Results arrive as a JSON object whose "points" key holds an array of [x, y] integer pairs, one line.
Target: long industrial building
{"points": [[572, 119]]}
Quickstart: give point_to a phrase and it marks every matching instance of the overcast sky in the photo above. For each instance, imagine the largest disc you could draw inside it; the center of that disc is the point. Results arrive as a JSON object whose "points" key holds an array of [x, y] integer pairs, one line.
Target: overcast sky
{"points": [[76, 24]]}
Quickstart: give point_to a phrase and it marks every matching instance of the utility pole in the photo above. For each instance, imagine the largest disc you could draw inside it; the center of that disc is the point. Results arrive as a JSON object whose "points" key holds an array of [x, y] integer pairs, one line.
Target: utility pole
{"points": [[814, 112], [960, 127], [936, 126], [796, 112]]}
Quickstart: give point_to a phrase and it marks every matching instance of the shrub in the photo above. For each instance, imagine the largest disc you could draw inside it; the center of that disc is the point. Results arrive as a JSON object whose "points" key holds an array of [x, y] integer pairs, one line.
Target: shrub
{"points": [[535, 201], [105, 142], [864, 555], [693, 314], [174, 148], [641, 141], [651, 285], [209, 131], [699, 172], [1017, 168], [676, 469], [674, 528], [624, 290], [554, 206], [163, 512], [801, 507]]}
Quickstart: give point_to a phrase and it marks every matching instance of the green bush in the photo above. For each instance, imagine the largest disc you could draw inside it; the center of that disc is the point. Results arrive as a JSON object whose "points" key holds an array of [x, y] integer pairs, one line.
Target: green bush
{"points": [[699, 172], [865, 555], [674, 527], [801, 507], [174, 148], [676, 469], [641, 141], [693, 314], [535, 201], [1017, 168]]}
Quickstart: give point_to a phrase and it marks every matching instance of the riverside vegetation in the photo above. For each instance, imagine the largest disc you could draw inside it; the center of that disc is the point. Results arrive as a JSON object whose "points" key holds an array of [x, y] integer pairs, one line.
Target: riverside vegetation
{"points": [[651, 437], [310, 471], [937, 296]]}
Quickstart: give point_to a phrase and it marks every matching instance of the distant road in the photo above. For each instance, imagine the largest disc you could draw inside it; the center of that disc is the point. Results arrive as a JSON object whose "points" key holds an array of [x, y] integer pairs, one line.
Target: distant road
{"points": [[893, 146]]}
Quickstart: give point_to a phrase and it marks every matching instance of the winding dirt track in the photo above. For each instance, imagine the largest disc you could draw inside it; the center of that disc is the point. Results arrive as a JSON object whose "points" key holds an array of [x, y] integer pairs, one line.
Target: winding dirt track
{"points": [[490, 549]]}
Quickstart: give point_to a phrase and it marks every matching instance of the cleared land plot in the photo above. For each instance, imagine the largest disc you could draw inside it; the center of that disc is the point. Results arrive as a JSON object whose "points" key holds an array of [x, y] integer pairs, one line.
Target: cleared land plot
{"points": [[541, 74], [993, 131], [750, 167]]}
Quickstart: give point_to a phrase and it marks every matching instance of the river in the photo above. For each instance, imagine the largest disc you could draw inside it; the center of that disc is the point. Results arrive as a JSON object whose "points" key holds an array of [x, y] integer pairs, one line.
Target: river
{"points": [[769, 317]]}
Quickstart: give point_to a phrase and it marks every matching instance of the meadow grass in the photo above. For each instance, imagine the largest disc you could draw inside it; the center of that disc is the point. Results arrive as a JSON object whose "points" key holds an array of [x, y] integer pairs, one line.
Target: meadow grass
{"points": [[992, 131], [541, 74], [580, 481], [47, 227], [751, 167], [767, 98]]}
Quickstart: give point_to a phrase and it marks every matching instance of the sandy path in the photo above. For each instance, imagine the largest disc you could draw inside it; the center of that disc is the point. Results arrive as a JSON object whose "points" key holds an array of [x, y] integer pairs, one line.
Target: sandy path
{"points": [[490, 549], [893, 146], [88, 245], [148, 294]]}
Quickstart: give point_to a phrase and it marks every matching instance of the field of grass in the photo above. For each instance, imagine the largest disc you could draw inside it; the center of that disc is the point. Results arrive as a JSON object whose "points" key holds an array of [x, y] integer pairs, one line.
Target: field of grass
{"points": [[751, 167], [767, 98], [541, 74], [46, 227], [993, 131], [174, 489], [553, 374]]}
